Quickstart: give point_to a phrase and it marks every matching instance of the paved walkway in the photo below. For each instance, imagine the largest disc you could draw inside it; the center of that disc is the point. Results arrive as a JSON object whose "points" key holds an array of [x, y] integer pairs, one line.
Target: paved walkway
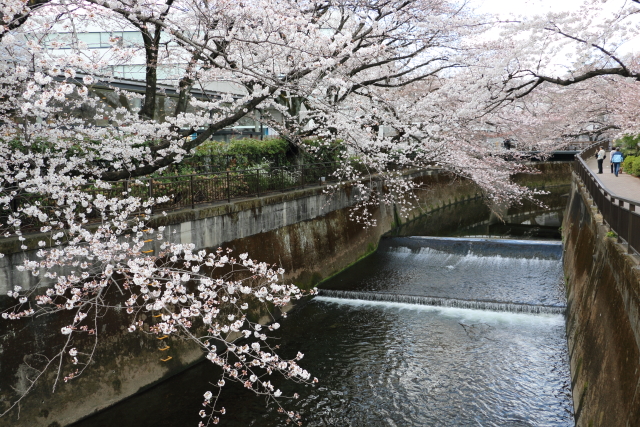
{"points": [[625, 186]]}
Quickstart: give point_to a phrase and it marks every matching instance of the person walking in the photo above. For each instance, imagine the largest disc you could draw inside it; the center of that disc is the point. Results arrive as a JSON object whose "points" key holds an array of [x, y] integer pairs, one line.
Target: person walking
{"points": [[601, 156], [616, 160]]}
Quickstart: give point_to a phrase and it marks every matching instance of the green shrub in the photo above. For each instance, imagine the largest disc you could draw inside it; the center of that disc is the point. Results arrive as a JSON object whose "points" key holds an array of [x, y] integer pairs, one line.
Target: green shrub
{"points": [[247, 147], [636, 167], [629, 145], [238, 154], [628, 163]]}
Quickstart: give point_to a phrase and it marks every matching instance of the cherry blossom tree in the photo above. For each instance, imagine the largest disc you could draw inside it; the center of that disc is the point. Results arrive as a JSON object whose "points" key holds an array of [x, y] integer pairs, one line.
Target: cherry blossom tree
{"points": [[330, 58], [341, 63], [564, 74], [399, 83]]}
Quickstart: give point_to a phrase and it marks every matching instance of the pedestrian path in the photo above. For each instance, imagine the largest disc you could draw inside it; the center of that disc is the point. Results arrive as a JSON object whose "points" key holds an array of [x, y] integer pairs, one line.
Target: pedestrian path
{"points": [[624, 185]]}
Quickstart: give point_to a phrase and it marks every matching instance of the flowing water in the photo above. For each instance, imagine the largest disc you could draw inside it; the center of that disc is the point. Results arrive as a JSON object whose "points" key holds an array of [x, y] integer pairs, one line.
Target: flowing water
{"points": [[425, 332], [508, 271]]}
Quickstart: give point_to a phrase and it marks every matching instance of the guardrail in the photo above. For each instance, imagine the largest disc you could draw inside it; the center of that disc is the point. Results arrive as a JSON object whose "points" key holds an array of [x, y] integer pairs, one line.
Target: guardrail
{"points": [[619, 213], [584, 145], [195, 189]]}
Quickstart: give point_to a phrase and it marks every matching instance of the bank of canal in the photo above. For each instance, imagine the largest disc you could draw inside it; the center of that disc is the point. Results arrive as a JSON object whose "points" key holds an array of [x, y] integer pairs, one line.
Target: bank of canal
{"points": [[396, 363], [385, 362]]}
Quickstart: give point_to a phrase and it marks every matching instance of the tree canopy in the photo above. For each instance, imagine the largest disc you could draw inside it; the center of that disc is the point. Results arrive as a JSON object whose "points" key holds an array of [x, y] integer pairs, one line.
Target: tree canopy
{"points": [[415, 83]]}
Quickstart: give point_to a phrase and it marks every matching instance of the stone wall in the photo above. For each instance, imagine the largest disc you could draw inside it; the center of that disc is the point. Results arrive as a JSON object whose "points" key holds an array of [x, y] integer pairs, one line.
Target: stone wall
{"points": [[603, 318]]}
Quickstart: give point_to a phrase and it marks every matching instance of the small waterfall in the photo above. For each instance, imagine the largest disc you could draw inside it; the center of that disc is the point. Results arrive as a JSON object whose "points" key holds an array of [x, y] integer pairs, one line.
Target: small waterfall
{"points": [[446, 302], [502, 248], [434, 258]]}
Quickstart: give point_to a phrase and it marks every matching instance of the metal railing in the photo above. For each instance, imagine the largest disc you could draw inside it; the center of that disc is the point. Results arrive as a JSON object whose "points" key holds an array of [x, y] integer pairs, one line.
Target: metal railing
{"points": [[582, 145], [190, 190], [619, 213]]}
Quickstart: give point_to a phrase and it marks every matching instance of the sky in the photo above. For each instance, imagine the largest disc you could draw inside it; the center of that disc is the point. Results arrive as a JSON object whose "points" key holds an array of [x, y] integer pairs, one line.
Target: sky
{"points": [[528, 8], [525, 7]]}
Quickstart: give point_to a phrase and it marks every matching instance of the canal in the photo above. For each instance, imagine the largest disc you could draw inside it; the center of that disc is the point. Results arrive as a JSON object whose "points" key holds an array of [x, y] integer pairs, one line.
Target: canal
{"points": [[449, 331]]}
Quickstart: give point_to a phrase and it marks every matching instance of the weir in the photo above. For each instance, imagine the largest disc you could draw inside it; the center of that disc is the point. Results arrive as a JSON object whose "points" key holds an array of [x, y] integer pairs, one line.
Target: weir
{"points": [[506, 248], [510, 307], [457, 272], [498, 274]]}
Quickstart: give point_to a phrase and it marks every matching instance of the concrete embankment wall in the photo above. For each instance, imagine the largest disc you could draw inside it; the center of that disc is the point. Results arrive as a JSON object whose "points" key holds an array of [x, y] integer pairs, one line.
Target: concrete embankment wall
{"points": [[603, 318], [288, 228]]}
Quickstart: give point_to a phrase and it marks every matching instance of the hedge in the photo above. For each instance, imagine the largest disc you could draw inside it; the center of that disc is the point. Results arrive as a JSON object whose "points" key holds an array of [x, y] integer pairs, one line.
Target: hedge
{"points": [[246, 147], [631, 165]]}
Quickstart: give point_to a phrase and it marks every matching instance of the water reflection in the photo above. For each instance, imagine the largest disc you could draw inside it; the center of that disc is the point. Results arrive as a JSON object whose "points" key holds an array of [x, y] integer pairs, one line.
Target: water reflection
{"points": [[474, 218]]}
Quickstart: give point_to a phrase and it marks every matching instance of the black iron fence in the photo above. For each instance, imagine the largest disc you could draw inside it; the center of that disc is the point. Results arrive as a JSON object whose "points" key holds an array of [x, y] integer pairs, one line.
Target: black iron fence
{"points": [[195, 189], [619, 213], [191, 190]]}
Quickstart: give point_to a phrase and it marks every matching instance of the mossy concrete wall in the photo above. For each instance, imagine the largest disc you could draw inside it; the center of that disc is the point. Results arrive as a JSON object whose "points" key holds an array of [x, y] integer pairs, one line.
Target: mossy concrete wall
{"points": [[603, 318]]}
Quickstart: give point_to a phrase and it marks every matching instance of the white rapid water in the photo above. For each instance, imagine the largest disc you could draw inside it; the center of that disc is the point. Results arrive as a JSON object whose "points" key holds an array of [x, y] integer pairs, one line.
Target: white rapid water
{"points": [[445, 302]]}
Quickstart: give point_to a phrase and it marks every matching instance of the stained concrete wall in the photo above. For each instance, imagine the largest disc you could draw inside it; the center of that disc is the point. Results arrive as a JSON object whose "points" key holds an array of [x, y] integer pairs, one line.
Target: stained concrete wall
{"points": [[208, 226], [603, 318], [217, 225]]}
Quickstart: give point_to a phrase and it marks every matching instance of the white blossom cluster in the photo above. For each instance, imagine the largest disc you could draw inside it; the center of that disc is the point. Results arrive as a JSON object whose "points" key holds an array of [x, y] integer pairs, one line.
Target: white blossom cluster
{"points": [[174, 294]]}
